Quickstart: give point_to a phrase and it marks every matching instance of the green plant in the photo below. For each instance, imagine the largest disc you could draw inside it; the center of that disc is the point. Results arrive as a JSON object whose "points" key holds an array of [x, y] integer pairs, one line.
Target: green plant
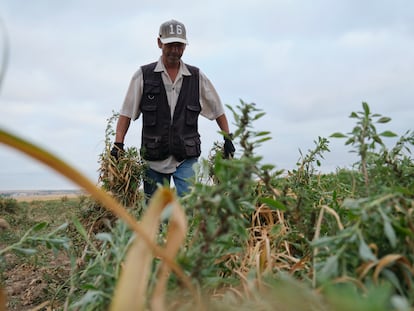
{"points": [[220, 211], [374, 245], [250, 226], [93, 279], [364, 136], [33, 238], [373, 241], [7, 205], [309, 188], [393, 167]]}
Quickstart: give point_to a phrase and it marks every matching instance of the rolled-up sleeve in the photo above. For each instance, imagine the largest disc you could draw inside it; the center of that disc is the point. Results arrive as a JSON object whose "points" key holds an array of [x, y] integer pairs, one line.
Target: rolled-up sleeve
{"points": [[211, 105], [130, 107]]}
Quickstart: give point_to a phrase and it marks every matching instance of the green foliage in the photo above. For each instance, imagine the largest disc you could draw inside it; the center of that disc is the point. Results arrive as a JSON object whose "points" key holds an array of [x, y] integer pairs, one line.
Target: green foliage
{"points": [[348, 234], [310, 190], [393, 168], [93, 279], [220, 211], [7, 205], [34, 237], [375, 242], [364, 136], [375, 245]]}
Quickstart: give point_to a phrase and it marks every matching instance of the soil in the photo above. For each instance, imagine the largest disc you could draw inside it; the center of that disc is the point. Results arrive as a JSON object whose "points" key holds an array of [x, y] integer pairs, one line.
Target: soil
{"points": [[27, 285], [34, 282]]}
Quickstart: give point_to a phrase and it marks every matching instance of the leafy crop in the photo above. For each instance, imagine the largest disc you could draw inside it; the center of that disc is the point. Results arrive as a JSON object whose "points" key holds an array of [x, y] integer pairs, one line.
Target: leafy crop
{"points": [[257, 237]]}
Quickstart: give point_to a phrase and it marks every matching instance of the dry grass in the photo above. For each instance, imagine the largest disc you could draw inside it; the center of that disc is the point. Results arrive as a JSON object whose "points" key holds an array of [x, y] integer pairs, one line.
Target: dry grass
{"points": [[45, 197]]}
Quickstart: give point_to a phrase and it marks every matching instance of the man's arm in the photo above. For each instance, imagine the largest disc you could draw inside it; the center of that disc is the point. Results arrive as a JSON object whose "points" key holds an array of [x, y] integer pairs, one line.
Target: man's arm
{"points": [[122, 128], [223, 123]]}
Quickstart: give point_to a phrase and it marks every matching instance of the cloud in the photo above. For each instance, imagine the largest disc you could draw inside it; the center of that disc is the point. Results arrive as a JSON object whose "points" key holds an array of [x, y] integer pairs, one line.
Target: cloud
{"points": [[308, 65]]}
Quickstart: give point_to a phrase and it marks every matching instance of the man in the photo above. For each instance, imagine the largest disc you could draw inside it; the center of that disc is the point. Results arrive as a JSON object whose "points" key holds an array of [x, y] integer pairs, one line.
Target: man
{"points": [[170, 95]]}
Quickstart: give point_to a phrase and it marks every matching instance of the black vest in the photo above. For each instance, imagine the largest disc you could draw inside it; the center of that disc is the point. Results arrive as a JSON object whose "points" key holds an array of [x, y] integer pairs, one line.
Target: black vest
{"points": [[161, 136]]}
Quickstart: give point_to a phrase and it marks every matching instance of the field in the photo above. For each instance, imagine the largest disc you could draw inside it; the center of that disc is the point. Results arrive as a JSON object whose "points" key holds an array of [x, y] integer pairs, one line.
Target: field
{"points": [[40, 195], [247, 236], [31, 281]]}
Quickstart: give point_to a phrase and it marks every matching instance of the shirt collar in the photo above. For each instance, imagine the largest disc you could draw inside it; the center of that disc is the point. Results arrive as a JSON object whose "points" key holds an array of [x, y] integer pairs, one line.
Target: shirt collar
{"points": [[183, 68]]}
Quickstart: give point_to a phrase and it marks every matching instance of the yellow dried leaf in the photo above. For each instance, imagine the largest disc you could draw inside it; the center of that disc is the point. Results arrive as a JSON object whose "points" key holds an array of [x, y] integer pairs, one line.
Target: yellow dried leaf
{"points": [[384, 262], [177, 229], [130, 291], [111, 170], [365, 267], [348, 279]]}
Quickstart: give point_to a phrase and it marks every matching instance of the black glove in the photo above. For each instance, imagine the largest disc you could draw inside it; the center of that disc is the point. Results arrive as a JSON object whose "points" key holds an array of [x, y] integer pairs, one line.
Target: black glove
{"points": [[228, 147], [117, 150]]}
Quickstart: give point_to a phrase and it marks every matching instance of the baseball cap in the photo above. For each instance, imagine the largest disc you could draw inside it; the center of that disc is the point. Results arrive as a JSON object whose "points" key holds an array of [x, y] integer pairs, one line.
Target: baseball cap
{"points": [[173, 31]]}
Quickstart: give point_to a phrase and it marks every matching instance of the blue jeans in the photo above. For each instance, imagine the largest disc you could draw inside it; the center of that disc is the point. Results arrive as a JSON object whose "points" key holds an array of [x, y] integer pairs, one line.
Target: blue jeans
{"points": [[181, 178]]}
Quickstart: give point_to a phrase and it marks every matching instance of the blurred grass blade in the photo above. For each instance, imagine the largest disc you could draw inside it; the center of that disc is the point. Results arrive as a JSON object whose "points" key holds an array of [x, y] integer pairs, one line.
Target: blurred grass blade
{"points": [[5, 53], [133, 282], [177, 229]]}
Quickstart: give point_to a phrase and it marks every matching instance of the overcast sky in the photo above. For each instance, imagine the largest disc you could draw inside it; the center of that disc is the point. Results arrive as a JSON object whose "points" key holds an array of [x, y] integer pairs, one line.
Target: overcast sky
{"points": [[307, 64]]}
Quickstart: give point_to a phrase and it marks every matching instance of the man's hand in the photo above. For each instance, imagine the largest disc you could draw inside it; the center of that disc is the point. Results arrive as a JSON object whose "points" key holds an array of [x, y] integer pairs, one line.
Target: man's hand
{"points": [[117, 150], [228, 147]]}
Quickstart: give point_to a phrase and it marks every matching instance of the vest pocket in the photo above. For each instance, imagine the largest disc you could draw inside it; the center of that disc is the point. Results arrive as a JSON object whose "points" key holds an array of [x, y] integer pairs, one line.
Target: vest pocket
{"points": [[149, 115], [152, 88], [191, 114], [150, 149], [192, 146]]}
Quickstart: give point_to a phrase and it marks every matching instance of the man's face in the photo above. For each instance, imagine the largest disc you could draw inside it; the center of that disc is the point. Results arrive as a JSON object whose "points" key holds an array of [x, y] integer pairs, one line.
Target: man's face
{"points": [[172, 52]]}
